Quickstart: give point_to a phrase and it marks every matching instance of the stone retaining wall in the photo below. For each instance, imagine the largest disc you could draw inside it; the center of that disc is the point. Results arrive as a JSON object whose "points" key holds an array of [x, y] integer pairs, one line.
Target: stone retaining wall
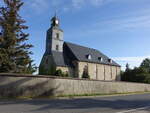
{"points": [[33, 86]]}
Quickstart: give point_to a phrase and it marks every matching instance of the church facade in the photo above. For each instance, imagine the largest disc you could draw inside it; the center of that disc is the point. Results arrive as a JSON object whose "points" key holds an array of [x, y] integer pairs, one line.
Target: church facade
{"points": [[75, 60]]}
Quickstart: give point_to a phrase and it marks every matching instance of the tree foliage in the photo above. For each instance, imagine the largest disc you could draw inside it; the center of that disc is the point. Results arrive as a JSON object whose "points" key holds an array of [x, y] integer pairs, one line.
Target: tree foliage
{"points": [[146, 65], [14, 51], [138, 74]]}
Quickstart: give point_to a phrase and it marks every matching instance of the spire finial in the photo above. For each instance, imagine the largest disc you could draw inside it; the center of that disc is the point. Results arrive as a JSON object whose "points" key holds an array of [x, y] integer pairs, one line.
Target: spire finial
{"points": [[55, 15], [55, 20]]}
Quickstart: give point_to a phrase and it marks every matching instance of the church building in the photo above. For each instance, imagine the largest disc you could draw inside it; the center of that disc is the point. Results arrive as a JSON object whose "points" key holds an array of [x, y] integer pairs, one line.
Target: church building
{"points": [[75, 60]]}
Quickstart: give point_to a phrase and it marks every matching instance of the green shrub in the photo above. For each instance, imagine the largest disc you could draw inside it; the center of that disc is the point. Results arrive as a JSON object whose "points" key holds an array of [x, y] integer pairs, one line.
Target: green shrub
{"points": [[61, 74], [147, 79], [58, 73]]}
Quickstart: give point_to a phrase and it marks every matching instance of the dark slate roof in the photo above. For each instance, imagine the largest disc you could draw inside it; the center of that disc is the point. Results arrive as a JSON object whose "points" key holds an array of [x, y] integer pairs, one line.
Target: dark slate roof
{"points": [[59, 58], [81, 52]]}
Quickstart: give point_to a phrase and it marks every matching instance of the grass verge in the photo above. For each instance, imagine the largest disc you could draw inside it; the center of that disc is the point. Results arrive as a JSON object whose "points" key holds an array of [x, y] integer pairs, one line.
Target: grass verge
{"points": [[100, 95], [74, 96]]}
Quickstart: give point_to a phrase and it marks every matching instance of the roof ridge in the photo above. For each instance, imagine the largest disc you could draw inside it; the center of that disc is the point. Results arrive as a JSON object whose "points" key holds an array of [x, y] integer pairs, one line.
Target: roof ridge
{"points": [[81, 46]]}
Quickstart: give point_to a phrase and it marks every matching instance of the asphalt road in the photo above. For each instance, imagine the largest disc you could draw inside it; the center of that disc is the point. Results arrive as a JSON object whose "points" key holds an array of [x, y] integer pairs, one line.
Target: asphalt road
{"points": [[117, 104]]}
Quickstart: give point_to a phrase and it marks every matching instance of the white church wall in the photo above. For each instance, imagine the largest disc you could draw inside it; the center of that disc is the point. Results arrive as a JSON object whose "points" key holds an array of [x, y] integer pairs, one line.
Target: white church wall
{"points": [[92, 70], [81, 66], [99, 71], [108, 73], [114, 73]]}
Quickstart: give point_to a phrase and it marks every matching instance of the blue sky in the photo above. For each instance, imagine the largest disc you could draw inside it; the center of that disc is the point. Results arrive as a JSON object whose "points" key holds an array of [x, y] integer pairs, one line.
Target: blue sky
{"points": [[118, 28]]}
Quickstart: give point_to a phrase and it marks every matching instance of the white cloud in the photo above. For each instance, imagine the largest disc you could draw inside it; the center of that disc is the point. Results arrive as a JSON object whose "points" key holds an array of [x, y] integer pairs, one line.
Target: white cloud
{"points": [[125, 22], [97, 2], [133, 22], [41, 6], [37, 5], [132, 61], [65, 5], [78, 3]]}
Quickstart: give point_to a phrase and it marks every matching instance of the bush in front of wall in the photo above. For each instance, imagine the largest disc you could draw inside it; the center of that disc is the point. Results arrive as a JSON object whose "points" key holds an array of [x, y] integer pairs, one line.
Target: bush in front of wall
{"points": [[58, 72], [61, 74]]}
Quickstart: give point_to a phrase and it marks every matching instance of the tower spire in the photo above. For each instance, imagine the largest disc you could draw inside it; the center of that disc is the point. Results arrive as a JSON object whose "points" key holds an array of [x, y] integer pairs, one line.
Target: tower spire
{"points": [[55, 15], [55, 20]]}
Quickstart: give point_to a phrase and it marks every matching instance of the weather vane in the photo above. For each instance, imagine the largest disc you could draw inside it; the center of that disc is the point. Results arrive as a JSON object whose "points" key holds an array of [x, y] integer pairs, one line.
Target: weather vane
{"points": [[56, 11]]}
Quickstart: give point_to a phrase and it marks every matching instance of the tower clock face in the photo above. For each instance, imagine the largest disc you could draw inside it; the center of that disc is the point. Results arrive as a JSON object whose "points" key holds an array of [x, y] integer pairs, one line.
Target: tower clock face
{"points": [[57, 22]]}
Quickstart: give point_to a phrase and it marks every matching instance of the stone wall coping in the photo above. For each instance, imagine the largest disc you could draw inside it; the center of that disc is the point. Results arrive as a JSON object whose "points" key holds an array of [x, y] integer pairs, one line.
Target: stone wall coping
{"points": [[56, 77]]}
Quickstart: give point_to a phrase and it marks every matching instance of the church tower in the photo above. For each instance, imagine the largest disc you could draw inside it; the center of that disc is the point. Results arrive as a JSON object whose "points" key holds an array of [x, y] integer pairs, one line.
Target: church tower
{"points": [[54, 38], [54, 49]]}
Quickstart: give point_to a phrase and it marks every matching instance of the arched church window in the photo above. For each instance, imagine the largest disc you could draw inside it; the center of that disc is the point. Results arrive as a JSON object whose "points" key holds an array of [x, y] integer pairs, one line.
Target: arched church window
{"points": [[85, 72], [57, 35], [46, 61], [57, 47]]}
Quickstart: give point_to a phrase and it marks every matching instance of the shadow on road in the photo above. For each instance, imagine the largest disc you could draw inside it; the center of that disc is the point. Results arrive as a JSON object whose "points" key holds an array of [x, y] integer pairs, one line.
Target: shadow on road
{"points": [[119, 103]]}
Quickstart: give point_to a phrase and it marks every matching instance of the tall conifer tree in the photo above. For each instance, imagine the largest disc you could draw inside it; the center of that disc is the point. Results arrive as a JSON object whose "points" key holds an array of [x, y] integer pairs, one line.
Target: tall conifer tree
{"points": [[14, 51]]}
